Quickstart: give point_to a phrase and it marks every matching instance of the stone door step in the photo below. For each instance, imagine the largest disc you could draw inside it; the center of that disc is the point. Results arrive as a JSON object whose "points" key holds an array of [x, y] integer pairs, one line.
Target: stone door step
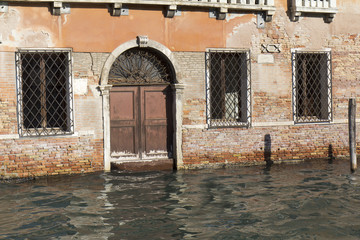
{"points": [[144, 165]]}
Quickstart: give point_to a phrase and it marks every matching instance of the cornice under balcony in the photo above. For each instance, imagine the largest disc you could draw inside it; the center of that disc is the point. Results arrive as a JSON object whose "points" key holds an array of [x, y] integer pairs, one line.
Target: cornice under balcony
{"points": [[222, 6]]}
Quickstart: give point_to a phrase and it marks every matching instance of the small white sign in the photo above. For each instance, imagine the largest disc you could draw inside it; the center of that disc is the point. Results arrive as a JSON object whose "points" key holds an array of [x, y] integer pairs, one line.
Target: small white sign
{"points": [[80, 86], [265, 58]]}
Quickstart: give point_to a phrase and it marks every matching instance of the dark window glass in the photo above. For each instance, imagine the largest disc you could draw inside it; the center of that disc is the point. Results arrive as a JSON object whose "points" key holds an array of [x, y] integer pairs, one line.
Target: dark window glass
{"points": [[312, 86], [228, 88], [44, 94]]}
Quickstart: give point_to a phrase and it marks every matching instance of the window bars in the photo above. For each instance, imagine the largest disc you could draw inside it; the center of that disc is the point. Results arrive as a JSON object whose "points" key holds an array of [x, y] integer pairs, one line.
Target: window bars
{"points": [[312, 86], [228, 88], [44, 92]]}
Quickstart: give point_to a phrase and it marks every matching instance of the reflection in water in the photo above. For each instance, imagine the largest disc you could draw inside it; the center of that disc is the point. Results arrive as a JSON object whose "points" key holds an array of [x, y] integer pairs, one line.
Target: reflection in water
{"points": [[86, 212], [304, 201]]}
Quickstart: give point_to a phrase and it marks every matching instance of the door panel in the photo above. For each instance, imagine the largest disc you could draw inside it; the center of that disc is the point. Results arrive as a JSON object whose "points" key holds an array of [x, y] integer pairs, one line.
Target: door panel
{"points": [[124, 145], [155, 141], [141, 122], [124, 133], [154, 103], [156, 121]]}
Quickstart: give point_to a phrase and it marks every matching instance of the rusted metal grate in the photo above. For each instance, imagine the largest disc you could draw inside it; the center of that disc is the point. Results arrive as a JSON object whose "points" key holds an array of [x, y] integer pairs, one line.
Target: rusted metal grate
{"points": [[228, 88], [312, 86], [44, 92]]}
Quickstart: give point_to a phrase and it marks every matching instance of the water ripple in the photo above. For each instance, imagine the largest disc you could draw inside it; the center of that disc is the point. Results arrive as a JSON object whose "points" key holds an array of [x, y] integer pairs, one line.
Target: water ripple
{"points": [[306, 201]]}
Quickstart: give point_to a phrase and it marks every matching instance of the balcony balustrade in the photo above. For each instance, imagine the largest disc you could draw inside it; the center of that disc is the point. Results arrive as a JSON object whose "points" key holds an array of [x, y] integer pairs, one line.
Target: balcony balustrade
{"points": [[222, 6], [326, 7]]}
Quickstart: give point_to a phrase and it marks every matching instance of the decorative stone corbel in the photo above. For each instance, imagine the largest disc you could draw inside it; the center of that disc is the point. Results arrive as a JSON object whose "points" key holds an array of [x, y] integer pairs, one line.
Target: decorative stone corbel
{"points": [[269, 15], [170, 11], [56, 8], [105, 90], [4, 7], [295, 15], [221, 15], [142, 41], [116, 9], [329, 17], [59, 8]]}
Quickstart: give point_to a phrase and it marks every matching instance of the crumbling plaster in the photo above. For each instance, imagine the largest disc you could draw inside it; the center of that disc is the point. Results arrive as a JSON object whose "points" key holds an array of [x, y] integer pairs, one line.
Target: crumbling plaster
{"points": [[17, 31], [27, 26]]}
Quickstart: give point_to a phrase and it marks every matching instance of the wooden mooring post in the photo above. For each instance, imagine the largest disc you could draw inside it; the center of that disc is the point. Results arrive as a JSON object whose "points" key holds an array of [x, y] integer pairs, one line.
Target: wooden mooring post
{"points": [[352, 134]]}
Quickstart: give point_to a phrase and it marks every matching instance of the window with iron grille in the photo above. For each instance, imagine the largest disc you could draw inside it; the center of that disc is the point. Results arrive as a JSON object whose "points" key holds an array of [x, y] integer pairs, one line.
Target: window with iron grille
{"points": [[312, 86], [228, 88], [44, 92]]}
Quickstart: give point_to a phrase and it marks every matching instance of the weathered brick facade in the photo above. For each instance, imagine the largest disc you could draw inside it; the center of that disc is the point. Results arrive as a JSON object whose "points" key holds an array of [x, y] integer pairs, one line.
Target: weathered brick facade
{"points": [[272, 99], [51, 155], [272, 134]]}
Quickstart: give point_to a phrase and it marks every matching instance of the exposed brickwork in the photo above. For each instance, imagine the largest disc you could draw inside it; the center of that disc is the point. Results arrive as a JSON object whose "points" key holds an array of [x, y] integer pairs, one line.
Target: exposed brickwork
{"points": [[271, 89], [243, 146], [271, 85], [88, 107], [192, 65], [39, 156], [89, 64], [8, 121], [50, 156]]}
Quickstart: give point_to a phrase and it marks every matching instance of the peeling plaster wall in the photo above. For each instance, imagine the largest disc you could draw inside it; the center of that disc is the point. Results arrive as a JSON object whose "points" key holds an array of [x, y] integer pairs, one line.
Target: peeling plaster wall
{"points": [[16, 32], [92, 34], [34, 26]]}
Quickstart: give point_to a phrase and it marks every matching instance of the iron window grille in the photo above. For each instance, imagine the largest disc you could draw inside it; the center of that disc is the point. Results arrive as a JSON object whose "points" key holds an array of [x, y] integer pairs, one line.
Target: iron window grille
{"points": [[44, 92], [228, 88], [312, 97]]}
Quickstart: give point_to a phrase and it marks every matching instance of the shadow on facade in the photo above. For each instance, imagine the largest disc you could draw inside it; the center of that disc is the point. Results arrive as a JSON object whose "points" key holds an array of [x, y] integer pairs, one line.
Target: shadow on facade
{"points": [[267, 151]]}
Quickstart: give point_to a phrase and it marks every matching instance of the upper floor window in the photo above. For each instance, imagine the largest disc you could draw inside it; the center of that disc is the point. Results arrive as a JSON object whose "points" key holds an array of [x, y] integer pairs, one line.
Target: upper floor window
{"points": [[44, 92], [312, 86], [228, 88]]}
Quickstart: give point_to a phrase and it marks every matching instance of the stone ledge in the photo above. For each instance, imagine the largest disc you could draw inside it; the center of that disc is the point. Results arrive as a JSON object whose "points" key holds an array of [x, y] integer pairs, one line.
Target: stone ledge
{"points": [[144, 165], [222, 6]]}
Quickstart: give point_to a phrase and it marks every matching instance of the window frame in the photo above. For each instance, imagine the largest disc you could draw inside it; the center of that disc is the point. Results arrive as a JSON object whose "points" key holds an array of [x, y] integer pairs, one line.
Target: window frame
{"points": [[212, 123], [69, 98], [296, 118]]}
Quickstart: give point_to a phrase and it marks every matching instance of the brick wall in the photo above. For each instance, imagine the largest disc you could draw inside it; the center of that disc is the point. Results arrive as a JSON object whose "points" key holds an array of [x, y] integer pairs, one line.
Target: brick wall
{"points": [[271, 134], [271, 84], [247, 146], [52, 155], [8, 122]]}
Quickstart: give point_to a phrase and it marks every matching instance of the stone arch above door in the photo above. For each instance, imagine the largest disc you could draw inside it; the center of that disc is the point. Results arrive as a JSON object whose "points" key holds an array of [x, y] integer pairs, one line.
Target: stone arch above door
{"points": [[155, 46], [105, 88], [140, 66]]}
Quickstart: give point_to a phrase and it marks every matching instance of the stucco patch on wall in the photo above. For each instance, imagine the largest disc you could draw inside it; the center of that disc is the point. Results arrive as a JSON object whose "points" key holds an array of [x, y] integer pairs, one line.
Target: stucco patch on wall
{"points": [[231, 16], [316, 30], [242, 35], [15, 36], [8, 23], [80, 86], [269, 79]]}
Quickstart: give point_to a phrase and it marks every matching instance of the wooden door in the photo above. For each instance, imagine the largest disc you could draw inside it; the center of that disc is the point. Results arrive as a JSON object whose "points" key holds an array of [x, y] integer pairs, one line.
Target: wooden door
{"points": [[124, 123], [141, 122]]}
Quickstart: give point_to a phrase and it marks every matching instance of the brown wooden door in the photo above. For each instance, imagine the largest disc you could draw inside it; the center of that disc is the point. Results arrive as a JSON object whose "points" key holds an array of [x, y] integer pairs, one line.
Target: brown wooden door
{"points": [[141, 122]]}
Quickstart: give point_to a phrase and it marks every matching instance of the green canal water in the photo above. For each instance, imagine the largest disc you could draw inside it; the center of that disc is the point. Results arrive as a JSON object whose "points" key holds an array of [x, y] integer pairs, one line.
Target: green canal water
{"points": [[304, 201]]}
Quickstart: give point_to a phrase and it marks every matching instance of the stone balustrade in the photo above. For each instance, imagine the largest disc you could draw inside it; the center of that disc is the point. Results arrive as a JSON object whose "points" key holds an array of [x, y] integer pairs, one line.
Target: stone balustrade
{"points": [[326, 7], [221, 6]]}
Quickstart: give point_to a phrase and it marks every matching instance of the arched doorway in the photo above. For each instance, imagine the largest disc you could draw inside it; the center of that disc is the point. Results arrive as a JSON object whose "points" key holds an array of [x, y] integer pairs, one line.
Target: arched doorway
{"points": [[141, 100]]}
